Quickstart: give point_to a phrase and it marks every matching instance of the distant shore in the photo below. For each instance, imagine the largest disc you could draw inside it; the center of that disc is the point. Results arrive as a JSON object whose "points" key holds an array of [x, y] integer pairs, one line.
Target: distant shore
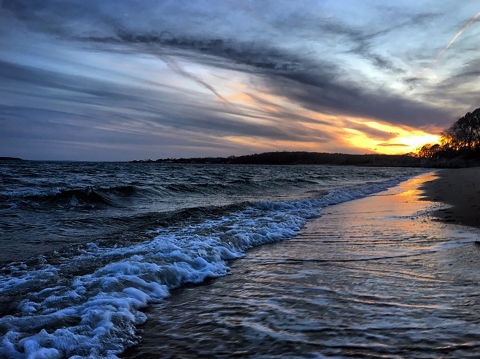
{"points": [[459, 188], [10, 159], [305, 158], [321, 158]]}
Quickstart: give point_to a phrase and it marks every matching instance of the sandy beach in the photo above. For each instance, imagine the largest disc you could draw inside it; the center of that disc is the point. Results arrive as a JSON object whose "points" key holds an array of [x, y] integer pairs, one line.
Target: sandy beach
{"points": [[459, 188]]}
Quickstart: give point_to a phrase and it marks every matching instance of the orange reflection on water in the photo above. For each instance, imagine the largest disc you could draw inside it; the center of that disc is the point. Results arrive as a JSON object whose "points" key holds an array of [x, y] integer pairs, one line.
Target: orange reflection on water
{"points": [[402, 209]]}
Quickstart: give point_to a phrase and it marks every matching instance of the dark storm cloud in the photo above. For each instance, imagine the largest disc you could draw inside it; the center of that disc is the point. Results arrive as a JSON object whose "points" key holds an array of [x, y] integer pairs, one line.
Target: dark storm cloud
{"points": [[225, 53], [61, 18], [338, 98], [313, 82]]}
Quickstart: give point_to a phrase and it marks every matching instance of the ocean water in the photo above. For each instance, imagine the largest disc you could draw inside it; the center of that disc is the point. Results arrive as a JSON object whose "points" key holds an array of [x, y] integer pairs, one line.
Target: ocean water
{"points": [[221, 261]]}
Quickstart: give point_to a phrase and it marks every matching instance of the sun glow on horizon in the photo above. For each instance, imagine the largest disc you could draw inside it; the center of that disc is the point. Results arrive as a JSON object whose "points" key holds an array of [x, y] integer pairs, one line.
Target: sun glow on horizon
{"points": [[312, 130], [402, 139]]}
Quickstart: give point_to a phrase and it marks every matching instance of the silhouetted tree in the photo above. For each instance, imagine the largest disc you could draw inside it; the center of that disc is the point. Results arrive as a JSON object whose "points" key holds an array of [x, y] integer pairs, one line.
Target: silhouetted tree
{"points": [[461, 138], [464, 134], [429, 150]]}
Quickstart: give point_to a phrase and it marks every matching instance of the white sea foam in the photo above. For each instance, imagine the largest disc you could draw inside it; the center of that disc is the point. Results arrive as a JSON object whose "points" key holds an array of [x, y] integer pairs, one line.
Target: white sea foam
{"points": [[94, 315]]}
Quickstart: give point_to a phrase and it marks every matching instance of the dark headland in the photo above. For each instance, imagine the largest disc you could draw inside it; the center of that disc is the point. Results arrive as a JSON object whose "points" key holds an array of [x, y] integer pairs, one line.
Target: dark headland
{"points": [[303, 158], [10, 159]]}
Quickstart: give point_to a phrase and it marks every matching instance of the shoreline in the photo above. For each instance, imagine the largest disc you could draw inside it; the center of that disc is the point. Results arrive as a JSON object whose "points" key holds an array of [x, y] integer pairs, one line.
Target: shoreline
{"points": [[459, 188]]}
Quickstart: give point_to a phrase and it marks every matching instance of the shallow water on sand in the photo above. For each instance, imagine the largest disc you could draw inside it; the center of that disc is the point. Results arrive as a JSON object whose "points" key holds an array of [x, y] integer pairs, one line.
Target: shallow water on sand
{"points": [[375, 278]]}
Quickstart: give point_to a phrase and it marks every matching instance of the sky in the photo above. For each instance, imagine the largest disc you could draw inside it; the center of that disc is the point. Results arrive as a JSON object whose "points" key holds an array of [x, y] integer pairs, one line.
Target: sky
{"points": [[117, 80]]}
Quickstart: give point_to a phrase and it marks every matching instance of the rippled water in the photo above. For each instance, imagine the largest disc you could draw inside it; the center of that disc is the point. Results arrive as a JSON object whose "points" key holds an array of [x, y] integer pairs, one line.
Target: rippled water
{"points": [[46, 206], [372, 278]]}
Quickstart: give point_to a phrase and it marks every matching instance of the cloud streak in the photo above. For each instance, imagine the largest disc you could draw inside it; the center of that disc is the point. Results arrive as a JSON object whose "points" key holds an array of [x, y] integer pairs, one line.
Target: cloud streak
{"points": [[457, 34], [175, 66]]}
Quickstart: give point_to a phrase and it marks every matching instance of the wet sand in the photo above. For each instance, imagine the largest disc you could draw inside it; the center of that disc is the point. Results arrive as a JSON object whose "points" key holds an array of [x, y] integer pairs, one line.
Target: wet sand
{"points": [[459, 188]]}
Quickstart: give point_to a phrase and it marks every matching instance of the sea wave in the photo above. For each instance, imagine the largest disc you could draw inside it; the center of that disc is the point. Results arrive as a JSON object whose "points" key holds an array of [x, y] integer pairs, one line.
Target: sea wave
{"points": [[76, 197], [50, 313]]}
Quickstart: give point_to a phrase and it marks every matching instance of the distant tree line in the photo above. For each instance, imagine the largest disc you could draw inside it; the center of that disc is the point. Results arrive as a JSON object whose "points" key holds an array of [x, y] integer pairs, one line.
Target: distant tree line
{"points": [[302, 158], [10, 159], [460, 140], [311, 158]]}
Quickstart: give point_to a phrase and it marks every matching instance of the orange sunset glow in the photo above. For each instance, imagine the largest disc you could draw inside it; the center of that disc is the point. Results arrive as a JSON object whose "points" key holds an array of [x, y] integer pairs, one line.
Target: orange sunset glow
{"points": [[403, 140], [354, 134]]}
